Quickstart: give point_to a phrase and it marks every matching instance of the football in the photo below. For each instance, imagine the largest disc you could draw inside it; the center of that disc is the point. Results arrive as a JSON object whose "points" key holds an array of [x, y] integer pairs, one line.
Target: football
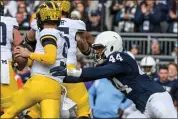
{"points": [[21, 62]]}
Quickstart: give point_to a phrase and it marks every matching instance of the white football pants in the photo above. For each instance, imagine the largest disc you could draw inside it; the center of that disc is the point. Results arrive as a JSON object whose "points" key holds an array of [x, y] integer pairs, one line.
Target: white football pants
{"points": [[159, 105]]}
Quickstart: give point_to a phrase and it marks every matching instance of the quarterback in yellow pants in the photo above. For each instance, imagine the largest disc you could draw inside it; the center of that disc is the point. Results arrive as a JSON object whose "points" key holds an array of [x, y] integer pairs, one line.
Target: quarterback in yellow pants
{"points": [[51, 51], [69, 28]]}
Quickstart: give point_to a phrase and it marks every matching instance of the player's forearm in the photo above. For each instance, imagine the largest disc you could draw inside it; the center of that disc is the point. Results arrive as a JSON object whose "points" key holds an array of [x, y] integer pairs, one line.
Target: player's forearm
{"points": [[100, 72], [49, 57], [89, 38], [30, 39], [31, 35], [17, 37]]}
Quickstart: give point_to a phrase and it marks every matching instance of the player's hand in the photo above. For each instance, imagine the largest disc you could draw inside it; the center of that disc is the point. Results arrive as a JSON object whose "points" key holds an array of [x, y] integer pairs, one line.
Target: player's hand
{"points": [[59, 71], [20, 51]]}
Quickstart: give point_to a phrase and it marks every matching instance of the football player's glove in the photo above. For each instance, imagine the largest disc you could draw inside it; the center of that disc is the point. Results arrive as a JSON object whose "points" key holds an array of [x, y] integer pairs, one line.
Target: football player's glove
{"points": [[59, 71], [63, 71]]}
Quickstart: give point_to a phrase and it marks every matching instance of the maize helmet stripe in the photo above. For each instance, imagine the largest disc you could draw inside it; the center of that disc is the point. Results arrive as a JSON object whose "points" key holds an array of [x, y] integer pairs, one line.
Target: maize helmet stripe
{"points": [[49, 5], [56, 5]]}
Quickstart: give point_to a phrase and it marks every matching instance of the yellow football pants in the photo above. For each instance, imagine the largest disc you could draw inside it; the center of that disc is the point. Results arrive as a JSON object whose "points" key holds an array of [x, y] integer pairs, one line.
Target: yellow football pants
{"points": [[78, 93], [38, 89], [7, 90]]}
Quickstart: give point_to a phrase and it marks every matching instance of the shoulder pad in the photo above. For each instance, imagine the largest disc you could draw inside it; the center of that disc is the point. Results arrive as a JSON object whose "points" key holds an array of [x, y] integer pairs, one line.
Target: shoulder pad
{"points": [[49, 32]]}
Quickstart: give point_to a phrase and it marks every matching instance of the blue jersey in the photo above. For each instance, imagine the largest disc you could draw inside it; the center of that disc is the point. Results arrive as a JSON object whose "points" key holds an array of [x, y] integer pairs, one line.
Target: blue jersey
{"points": [[126, 75]]}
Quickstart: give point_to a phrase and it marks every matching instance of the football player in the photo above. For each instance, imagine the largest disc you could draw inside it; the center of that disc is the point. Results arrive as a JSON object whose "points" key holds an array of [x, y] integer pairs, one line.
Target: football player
{"points": [[51, 51], [70, 29], [9, 37], [150, 98], [148, 66]]}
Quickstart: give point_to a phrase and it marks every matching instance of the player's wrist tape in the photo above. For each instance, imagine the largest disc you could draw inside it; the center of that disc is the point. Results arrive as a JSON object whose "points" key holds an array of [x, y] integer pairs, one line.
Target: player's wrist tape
{"points": [[74, 72], [87, 52], [25, 45], [32, 44]]}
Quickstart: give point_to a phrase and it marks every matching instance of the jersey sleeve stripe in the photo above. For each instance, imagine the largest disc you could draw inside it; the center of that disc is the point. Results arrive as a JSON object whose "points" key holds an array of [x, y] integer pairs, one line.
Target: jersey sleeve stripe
{"points": [[48, 36], [48, 41]]}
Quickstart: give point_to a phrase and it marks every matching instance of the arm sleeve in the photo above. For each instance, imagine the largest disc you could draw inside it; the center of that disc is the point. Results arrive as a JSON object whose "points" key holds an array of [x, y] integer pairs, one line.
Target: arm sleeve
{"points": [[49, 56], [96, 73], [125, 104], [102, 72], [30, 62], [92, 94]]}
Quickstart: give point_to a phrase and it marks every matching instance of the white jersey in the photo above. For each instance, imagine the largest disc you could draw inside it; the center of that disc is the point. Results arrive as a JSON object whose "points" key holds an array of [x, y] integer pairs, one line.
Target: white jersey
{"points": [[39, 68], [7, 25], [68, 28]]}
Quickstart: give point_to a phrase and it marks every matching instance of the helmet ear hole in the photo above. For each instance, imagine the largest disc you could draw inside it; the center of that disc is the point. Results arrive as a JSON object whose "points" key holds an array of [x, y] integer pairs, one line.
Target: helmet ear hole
{"points": [[111, 49]]}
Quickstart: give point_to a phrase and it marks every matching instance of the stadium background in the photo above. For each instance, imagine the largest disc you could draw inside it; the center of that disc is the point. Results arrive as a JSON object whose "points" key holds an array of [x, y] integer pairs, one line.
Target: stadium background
{"points": [[146, 30]]}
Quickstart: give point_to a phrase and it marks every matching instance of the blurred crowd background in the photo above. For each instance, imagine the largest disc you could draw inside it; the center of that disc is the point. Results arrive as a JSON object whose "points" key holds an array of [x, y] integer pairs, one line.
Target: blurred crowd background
{"points": [[122, 16], [158, 16]]}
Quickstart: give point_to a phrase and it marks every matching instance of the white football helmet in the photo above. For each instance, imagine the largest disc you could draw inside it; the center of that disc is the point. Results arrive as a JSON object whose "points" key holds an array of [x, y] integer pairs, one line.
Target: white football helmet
{"points": [[148, 65], [110, 42]]}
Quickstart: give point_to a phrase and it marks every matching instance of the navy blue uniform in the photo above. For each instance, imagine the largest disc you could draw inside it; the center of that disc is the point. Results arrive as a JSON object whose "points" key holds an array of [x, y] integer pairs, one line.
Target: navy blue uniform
{"points": [[125, 74]]}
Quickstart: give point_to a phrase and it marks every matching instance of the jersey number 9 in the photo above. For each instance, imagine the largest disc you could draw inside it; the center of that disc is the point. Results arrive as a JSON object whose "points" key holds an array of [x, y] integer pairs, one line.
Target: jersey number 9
{"points": [[66, 32]]}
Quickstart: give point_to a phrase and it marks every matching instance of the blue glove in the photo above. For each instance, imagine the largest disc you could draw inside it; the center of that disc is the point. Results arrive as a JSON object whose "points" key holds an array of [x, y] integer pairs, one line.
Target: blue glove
{"points": [[59, 71]]}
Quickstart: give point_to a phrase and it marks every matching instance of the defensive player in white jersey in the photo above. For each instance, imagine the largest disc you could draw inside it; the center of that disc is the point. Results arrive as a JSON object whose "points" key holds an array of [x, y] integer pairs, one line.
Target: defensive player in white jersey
{"points": [[51, 51], [9, 35], [69, 28]]}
